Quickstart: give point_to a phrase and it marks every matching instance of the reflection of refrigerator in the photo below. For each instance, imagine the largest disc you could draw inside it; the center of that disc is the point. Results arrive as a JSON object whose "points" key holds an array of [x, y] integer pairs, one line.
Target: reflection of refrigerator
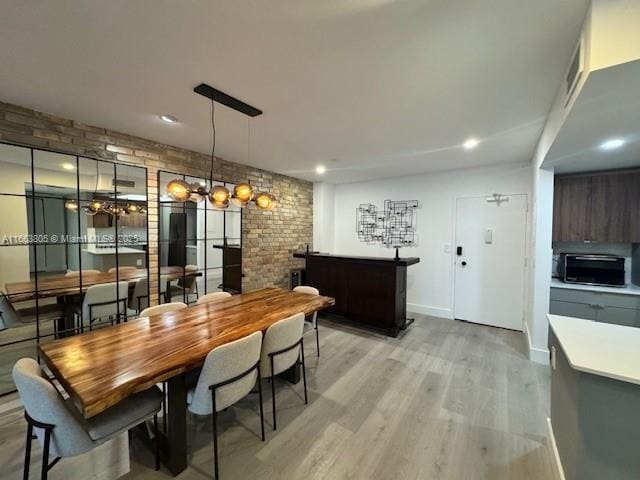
{"points": [[48, 218], [177, 240]]}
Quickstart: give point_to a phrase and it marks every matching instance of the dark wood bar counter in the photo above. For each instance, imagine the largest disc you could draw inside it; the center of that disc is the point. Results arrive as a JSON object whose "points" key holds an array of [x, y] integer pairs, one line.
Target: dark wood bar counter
{"points": [[367, 290]]}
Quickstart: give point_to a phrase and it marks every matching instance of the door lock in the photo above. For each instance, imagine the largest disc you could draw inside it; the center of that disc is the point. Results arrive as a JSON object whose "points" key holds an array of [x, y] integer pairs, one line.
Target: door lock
{"points": [[464, 264]]}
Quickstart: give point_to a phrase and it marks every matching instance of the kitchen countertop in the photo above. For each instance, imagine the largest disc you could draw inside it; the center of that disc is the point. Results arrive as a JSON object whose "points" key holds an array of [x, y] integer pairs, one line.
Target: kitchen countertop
{"points": [[112, 251], [630, 289], [603, 349]]}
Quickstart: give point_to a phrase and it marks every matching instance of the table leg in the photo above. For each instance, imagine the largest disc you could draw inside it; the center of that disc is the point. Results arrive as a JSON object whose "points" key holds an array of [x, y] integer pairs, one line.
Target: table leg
{"points": [[293, 374], [176, 439]]}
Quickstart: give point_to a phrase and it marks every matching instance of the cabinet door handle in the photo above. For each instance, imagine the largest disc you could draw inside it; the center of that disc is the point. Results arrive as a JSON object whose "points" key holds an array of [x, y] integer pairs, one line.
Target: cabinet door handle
{"points": [[553, 357]]}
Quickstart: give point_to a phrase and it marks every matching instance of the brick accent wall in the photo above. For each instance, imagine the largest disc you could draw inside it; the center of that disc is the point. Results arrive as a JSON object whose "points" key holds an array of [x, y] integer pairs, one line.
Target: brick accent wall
{"points": [[268, 238]]}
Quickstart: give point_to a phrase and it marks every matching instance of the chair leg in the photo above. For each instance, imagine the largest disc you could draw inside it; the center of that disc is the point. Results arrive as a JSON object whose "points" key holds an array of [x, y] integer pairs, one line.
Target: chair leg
{"points": [[261, 407], [273, 395], [157, 440], [215, 435], [304, 374], [27, 452], [317, 340], [45, 454], [164, 407]]}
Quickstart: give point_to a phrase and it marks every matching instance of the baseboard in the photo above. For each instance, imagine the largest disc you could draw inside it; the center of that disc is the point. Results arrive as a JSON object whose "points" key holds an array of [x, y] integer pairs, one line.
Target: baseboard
{"points": [[431, 311], [538, 355], [554, 449]]}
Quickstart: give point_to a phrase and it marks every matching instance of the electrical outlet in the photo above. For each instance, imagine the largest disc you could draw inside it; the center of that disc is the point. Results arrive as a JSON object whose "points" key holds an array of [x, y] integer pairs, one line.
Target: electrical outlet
{"points": [[139, 262]]}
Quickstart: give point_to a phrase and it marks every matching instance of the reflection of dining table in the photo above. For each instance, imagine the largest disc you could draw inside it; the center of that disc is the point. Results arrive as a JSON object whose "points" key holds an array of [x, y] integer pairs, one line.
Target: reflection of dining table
{"points": [[62, 286], [103, 367]]}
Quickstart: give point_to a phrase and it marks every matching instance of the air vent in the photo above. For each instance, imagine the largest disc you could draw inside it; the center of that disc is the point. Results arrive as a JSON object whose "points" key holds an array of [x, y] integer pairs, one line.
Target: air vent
{"points": [[123, 183], [576, 68]]}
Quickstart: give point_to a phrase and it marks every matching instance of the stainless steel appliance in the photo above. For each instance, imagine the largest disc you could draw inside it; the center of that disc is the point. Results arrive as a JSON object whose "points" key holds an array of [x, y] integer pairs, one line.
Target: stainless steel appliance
{"points": [[591, 269]]}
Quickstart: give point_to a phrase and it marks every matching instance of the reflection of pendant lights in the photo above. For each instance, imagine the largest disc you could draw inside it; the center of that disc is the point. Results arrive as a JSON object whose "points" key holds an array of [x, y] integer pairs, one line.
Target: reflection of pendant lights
{"points": [[219, 195], [97, 205]]}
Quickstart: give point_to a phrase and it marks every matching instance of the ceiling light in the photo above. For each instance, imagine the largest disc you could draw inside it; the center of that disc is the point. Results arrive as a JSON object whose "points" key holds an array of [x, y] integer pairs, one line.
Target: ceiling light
{"points": [[321, 169], [612, 144], [168, 118], [470, 143], [68, 166]]}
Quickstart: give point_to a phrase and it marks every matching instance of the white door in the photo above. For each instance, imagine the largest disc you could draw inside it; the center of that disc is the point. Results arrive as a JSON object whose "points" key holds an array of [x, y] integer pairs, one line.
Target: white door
{"points": [[490, 260]]}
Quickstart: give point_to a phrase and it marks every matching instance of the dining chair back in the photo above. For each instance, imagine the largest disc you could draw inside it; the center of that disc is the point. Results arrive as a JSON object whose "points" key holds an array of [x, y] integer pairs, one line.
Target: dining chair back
{"points": [[282, 348], [57, 425], [312, 320], [229, 374], [105, 301], [140, 297], [162, 308], [213, 297]]}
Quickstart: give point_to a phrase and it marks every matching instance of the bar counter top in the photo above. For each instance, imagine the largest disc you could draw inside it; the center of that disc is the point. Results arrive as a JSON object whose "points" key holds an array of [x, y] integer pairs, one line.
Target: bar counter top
{"points": [[404, 261]]}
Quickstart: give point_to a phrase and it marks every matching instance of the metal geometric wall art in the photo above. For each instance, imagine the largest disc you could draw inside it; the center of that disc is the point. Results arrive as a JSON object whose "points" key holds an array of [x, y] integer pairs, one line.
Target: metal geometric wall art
{"points": [[394, 226]]}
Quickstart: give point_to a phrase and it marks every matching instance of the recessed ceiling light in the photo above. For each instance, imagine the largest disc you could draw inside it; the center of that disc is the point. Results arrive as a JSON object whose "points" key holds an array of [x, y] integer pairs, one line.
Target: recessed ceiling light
{"points": [[321, 169], [68, 166], [470, 143], [612, 144], [168, 118]]}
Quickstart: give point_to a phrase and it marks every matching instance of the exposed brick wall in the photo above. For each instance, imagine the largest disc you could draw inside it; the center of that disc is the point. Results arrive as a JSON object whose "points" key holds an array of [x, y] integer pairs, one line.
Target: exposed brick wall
{"points": [[268, 238]]}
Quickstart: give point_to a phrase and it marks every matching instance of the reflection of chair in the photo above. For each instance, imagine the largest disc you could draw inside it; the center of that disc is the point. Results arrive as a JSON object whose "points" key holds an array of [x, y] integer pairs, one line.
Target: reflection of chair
{"points": [[76, 273], [9, 317], [140, 298], [213, 297], [229, 374], [162, 308], [105, 301], [283, 346], [122, 269], [60, 429], [312, 321], [187, 285]]}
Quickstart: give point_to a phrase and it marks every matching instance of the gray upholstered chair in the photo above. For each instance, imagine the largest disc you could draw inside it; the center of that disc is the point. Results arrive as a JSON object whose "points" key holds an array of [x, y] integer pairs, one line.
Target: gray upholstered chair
{"points": [[9, 317], [140, 298], [229, 374], [163, 308], [312, 320], [213, 297], [105, 301], [282, 347], [58, 425]]}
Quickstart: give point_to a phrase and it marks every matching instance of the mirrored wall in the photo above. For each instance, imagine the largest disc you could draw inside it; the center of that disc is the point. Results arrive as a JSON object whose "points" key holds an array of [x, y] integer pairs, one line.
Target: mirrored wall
{"points": [[199, 243], [73, 248]]}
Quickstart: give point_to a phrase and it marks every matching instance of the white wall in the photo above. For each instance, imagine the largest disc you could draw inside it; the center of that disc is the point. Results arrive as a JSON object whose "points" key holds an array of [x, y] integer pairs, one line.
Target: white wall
{"points": [[430, 281], [323, 217]]}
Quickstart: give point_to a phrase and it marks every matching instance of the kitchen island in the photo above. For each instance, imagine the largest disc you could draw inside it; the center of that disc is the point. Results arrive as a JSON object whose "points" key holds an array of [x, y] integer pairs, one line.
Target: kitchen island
{"points": [[371, 291], [595, 398]]}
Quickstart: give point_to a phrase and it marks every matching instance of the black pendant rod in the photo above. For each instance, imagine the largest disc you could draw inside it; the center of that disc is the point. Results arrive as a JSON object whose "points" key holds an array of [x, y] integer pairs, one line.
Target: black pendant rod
{"points": [[231, 102]]}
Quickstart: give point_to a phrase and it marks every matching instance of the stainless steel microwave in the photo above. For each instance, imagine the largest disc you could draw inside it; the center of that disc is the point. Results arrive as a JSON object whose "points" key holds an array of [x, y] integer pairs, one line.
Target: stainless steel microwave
{"points": [[591, 269]]}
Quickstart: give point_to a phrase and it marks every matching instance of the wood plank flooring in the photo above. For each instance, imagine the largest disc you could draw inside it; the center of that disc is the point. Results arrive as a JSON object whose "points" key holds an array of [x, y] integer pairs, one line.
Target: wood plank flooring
{"points": [[445, 400]]}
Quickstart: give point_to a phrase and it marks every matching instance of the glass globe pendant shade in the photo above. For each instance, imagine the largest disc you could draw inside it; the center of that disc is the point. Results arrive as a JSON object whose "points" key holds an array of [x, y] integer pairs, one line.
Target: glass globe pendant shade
{"points": [[198, 192], [96, 205], [243, 192], [178, 190], [131, 208], [219, 196], [88, 210], [71, 205], [265, 201], [142, 210]]}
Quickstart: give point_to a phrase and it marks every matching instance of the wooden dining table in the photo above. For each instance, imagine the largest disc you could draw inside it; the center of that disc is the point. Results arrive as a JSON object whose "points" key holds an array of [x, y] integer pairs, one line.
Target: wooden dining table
{"points": [[61, 285], [100, 368]]}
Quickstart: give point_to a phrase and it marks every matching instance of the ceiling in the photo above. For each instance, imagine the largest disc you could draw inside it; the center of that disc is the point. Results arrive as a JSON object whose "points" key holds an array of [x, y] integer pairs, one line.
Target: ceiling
{"points": [[608, 107], [368, 88]]}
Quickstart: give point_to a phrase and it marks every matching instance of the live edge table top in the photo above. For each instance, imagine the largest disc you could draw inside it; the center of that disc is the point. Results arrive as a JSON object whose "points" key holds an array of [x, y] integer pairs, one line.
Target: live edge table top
{"points": [[100, 368]]}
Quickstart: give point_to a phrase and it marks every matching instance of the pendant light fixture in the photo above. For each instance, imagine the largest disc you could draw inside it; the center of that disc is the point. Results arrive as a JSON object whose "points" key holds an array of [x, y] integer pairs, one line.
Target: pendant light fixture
{"points": [[219, 195], [97, 205]]}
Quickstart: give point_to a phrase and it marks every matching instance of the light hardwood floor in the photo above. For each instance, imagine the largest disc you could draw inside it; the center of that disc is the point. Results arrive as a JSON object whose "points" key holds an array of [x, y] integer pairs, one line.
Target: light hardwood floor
{"points": [[444, 400]]}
